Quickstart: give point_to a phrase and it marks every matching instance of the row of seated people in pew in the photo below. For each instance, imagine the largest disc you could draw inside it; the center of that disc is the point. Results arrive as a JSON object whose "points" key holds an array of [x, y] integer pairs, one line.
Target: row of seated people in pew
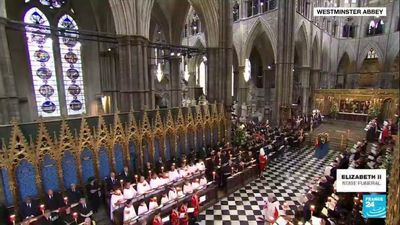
{"points": [[57, 205], [222, 162], [274, 140], [323, 203]]}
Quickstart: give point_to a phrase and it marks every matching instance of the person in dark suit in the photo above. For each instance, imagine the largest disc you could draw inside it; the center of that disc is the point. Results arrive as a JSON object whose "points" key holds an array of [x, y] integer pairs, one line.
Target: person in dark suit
{"points": [[84, 210], [94, 194], [126, 175], [28, 209], [45, 219], [73, 194], [52, 200], [147, 170], [159, 164], [111, 182]]}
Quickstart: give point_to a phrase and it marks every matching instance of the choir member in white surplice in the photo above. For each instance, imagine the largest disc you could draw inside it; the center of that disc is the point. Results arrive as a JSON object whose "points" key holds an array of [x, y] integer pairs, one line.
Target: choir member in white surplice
{"points": [[179, 192], [142, 208], [143, 186], [129, 212], [200, 165], [164, 199], [187, 187], [184, 171], [172, 194], [203, 181], [155, 182], [116, 202], [129, 191], [196, 184], [153, 203], [192, 168], [174, 174], [164, 179]]}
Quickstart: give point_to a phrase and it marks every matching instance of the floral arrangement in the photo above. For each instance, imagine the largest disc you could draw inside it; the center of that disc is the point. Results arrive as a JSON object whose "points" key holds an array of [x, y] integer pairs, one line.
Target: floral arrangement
{"points": [[239, 136], [374, 111]]}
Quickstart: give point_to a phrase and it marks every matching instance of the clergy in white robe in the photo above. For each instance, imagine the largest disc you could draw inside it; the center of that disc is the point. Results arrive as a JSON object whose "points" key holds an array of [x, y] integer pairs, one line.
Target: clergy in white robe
{"points": [[155, 182], [174, 174], [143, 186], [153, 203], [203, 181], [117, 199], [129, 191], [172, 194], [129, 212], [187, 188], [142, 208], [269, 209], [164, 199]]}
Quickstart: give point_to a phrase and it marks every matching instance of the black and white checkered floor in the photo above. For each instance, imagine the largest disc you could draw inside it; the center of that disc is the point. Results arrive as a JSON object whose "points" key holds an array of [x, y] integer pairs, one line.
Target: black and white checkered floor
{"points": [[288, 179]]}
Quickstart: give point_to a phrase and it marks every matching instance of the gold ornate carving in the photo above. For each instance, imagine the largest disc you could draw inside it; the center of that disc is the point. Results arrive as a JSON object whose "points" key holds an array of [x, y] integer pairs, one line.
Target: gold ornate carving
{"points": [[107, 135], [325, 98]]}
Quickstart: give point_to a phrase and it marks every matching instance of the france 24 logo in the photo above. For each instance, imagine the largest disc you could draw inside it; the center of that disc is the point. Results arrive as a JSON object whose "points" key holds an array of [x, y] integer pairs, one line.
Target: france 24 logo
{"points": [[374, 206]]}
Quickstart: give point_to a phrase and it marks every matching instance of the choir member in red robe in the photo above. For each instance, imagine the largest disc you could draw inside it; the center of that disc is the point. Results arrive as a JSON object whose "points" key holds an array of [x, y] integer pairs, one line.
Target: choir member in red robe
{"points": [[174, 217], [262, 161], [196, 205], [183, 210], [385, 133], [157, 220]]}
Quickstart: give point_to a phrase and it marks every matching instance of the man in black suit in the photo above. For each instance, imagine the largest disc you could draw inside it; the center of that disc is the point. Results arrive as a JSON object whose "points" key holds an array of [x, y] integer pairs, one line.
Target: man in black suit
{"points": [[111, 181], [28, 209], [52, 200], [147, 170], [125, 175], [45, 219], [84, 210], [159, 164], [94, 193], [73, 194]]}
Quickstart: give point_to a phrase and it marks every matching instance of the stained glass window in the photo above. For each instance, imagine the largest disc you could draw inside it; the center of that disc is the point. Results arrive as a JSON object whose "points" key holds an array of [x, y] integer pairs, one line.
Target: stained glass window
{"points": [[70, 49], [40, 47]]}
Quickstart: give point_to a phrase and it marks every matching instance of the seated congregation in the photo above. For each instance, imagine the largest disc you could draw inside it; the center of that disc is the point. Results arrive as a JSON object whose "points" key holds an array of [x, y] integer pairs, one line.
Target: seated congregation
{"points": [[172, 192]]}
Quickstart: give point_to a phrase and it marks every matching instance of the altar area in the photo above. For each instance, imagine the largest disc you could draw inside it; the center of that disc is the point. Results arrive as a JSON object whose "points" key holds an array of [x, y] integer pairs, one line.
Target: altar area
{"points": [[357, 104]]}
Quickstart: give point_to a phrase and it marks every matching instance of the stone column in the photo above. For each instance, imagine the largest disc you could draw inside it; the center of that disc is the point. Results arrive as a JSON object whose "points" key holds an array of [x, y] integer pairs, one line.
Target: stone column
{"points": [[175, 91], [134, 83], [243, 88], [108, 66], [152, 80], [305, 88], [324, 79], [8, 95], [285, 60], [191, 84], [243, 9], [314, 85], [219, 63]]}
